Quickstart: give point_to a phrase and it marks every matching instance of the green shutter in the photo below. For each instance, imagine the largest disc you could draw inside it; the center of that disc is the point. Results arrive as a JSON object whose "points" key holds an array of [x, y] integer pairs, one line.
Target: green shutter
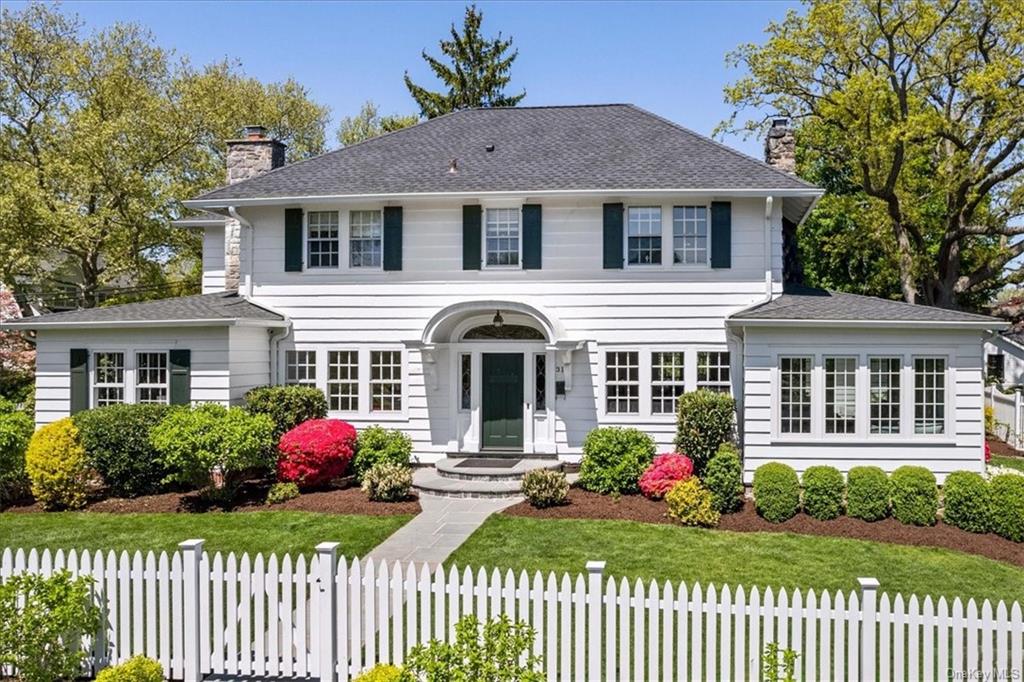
{"points": [[79, 380], [471, 237], [293, 240], [613, 236], [392, 237], [181, 376], [721, 234], [531, 237]]}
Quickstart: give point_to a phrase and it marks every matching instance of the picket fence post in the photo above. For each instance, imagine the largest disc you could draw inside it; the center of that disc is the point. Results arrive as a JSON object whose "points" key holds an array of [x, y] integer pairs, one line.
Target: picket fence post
{"points": [[868, 622], [595, 594], [191, 555], [326, 609]]}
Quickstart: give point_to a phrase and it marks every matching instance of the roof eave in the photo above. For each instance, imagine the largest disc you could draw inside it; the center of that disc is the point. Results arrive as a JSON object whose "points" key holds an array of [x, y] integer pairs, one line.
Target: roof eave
{"points": [[134, 324], [874, 324]]}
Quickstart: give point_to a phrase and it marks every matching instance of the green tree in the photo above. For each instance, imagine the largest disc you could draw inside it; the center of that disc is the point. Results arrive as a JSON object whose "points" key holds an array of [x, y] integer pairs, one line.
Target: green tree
{"points": [[102, 135], [370, 123], [921, 103], [478, 72]]}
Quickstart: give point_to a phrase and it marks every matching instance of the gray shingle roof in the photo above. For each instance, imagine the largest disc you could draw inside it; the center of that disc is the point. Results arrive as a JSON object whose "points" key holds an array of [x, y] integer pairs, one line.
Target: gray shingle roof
{"points": [[593, 147], [807, 304], [223, 306], [199, 219]]}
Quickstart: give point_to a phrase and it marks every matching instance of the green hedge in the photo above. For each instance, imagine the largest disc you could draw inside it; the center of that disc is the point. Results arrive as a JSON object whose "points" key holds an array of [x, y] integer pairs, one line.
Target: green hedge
{"points": [[377, 445], [776, 492], [823, 492], [287, 406], [724, 478], [867, 493], [1007, 516], [16, 429], [117, 446], [966, 501], [705, 420], [915, 496], [614, 458]]}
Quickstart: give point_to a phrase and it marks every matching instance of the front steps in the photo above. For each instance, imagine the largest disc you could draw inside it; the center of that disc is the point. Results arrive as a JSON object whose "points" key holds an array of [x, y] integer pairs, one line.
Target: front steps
{"points": [[458, 477]]}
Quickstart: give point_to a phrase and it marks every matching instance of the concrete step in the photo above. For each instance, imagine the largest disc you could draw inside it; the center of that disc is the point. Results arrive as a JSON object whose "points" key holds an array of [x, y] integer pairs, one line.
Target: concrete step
{"points": [[427, 481], [461, 469], [501, 454]]}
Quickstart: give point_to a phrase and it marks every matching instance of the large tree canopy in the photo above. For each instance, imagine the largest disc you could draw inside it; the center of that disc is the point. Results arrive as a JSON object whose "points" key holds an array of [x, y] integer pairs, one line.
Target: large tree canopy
{"points": [[477, 75], [370, 123], [918, 106], [102, 135]]}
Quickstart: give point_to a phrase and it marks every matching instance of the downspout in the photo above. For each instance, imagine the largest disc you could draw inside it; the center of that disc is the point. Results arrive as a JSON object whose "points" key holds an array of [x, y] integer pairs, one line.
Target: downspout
{"points": [[247, 288], [768, 205], [276, 336]]}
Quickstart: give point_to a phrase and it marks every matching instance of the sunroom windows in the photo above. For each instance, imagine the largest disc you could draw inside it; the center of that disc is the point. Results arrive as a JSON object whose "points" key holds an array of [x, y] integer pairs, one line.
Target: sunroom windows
{"points": [[647, 382]]}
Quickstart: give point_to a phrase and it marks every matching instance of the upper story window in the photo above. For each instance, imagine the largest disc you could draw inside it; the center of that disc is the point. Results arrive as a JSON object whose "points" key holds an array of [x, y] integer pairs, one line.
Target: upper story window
{"points": [[929, 395], [322, 243], [108, 384], [366, 230], [502, 242], [151, 378], [300, 367], [643, 235], [690, 235]]}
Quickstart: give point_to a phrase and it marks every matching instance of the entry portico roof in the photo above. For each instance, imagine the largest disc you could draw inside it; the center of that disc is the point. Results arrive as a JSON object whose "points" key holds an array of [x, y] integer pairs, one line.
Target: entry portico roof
{"points": [[441, 326]]}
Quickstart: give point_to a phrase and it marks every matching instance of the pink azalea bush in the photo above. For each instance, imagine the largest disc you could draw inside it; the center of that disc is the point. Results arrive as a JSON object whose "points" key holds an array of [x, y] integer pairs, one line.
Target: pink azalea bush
{"points": [[664, 472]]}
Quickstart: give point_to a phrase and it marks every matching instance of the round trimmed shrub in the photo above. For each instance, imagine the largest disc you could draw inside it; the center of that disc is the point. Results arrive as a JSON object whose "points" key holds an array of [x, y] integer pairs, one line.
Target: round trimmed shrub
{"points": [[823, 492], [135, 669], [315, 451], [966, 501], [663, 473], [706, 419], [56, 466], [287, 406], [776, 492], [282, 492], [723, 476], [387, 482], [614, 458], [376, 444], [915, 496], [691, 504], [867, 493], [15, 433], [1007, 510], [116, 442], [545, 488]]}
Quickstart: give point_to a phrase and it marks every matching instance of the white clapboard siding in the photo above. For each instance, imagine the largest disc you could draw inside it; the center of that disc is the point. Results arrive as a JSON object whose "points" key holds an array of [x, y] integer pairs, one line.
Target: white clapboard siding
{"points": [[297, 618]]}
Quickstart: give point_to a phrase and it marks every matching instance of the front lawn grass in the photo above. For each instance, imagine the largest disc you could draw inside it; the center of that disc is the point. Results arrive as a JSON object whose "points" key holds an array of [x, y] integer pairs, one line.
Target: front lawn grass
{"points": [[639, 550], [1009, 462], [264, 531]]}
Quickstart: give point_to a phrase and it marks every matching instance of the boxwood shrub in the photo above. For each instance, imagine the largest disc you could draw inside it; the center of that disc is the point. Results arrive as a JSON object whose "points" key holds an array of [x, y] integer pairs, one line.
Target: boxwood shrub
{"points": [[776, 492], [867, 493], [966, 501], [915, 496], [614, 459], [116, 442], [705, 420], [1007, 515], [375, 445], [16, 428], [823, 492], [723, 476], [287, 406]]}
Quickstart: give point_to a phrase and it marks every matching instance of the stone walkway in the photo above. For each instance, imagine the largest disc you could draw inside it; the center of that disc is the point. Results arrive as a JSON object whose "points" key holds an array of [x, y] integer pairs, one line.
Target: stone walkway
{"points": [[443, 525]]}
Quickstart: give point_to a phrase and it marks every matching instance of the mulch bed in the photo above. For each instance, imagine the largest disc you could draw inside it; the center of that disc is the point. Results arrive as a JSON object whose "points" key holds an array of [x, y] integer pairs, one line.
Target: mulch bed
{"points": [[1002, 449], [588, 505], [250, 497]]}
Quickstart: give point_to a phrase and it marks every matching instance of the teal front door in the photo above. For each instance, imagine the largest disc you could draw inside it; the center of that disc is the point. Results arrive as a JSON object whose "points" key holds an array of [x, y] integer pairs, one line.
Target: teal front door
{"points": [[502, 400]]}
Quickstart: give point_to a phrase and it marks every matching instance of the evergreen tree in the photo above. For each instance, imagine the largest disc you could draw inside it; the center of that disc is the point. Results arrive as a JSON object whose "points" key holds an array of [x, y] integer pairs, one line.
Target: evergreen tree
{"points": [[477, 75]]}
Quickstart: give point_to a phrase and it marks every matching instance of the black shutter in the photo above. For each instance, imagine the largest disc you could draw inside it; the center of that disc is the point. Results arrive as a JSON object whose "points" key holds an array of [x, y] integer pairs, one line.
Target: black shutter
{"points": [[532, 237], [613, 236], [181, 376], [471, 237], [721, 234], [392, 237], [79, 380], [293, 240]]}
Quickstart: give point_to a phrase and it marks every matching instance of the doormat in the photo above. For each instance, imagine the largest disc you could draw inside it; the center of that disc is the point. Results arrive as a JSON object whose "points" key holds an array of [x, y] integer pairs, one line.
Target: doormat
{"points": [[486, 463]]}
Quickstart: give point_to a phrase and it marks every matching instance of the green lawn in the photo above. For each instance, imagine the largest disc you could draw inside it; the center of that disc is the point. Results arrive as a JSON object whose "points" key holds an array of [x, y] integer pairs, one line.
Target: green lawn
{"points": [[264, 531], [638, 550], [1009, 462]]}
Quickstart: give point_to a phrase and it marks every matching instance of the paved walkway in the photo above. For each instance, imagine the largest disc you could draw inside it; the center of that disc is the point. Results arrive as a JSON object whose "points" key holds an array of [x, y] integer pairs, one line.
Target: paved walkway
{"points": [[443, 525]]}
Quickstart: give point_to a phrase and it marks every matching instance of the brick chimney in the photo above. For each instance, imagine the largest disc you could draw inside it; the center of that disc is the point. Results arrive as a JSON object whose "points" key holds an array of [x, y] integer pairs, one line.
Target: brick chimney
{"points": [[780, 146], [252, 155]]}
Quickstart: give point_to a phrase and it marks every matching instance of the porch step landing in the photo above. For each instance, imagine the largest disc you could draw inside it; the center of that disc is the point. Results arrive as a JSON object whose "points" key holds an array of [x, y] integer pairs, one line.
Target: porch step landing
{"points": [[461, 477]]}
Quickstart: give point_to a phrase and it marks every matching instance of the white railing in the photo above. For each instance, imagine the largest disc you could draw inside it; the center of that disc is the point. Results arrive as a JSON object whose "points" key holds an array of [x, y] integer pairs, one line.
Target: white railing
{"points": [[328, 618], [1008, 411]]}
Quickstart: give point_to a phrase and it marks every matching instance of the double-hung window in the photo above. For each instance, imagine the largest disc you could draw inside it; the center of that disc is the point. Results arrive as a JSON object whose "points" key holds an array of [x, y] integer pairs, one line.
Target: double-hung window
{"points": [[502, 237], [151, 377], [622, 382], [386, 381], [322, 242], [643, 235], [795, 394], [840, 395], [666, 381], [108, 382], [365, 240], [343, 380], [690, 235], [300, 367], [713, 371], [929, 395], [884, 395]]}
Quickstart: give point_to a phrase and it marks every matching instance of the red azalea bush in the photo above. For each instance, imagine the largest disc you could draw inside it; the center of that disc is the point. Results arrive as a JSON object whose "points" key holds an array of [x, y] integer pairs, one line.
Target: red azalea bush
{"points": [[315, 451], [664, 472], [988, 452]]}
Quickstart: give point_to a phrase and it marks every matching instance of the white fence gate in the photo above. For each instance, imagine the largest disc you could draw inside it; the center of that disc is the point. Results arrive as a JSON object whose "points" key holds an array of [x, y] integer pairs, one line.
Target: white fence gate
{"points": [[1008, 410], [329, 619]]}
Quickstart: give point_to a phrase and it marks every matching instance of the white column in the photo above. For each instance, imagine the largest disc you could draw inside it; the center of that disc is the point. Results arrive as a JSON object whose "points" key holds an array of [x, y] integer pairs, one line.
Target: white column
{"points": [[868, 618], [595, 592], [326, 610], [191, 555]]}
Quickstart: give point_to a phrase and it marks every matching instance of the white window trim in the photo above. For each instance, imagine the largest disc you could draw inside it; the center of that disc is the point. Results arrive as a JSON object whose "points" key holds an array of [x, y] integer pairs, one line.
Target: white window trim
{"points": [[643, 382], [327, 377], [167, 373], [696, 384], [305, 241], [901, 424], [403, 390], [667, 239], [625, 238], [948, 388], [651, 383], [706, 265], [130, 371], [322, 368], [483, 238], [348, 242], [318, 368]]}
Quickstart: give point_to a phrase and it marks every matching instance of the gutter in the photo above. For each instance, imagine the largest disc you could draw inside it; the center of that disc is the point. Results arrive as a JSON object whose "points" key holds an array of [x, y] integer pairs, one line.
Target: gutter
{"points": [[873, 324], [135, 324]]}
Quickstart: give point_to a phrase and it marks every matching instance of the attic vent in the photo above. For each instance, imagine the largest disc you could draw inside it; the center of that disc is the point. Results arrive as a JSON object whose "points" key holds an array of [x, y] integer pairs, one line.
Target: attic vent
{"points": [[453, 167], [489, 148]]}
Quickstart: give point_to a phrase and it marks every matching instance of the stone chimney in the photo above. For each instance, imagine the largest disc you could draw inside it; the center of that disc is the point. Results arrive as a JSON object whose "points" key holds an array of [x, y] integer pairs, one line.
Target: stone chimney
{"points": [[252, 155], [780, 146]]}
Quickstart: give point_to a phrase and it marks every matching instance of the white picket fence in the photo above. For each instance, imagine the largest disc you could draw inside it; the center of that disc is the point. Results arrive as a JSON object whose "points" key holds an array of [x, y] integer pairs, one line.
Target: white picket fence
{"points": [[1008, 409], [328, 618]]}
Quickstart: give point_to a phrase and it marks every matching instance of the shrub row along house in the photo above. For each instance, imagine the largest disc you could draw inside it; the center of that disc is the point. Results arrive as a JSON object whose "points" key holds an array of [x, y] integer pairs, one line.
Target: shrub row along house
{"points": [[506, 280]]}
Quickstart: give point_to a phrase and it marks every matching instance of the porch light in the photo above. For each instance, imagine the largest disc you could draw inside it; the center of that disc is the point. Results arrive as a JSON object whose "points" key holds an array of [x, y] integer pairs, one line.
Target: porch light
{"points": [[498, 320]]}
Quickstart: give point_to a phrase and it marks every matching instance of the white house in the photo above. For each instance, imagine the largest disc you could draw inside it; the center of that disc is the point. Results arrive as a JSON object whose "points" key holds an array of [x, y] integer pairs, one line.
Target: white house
{"points": [[1004, 358], [501, 280]]}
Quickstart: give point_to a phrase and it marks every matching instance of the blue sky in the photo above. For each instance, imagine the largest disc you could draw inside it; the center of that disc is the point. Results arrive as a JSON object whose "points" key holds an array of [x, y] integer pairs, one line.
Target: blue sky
{"points": [[668, 57]]}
